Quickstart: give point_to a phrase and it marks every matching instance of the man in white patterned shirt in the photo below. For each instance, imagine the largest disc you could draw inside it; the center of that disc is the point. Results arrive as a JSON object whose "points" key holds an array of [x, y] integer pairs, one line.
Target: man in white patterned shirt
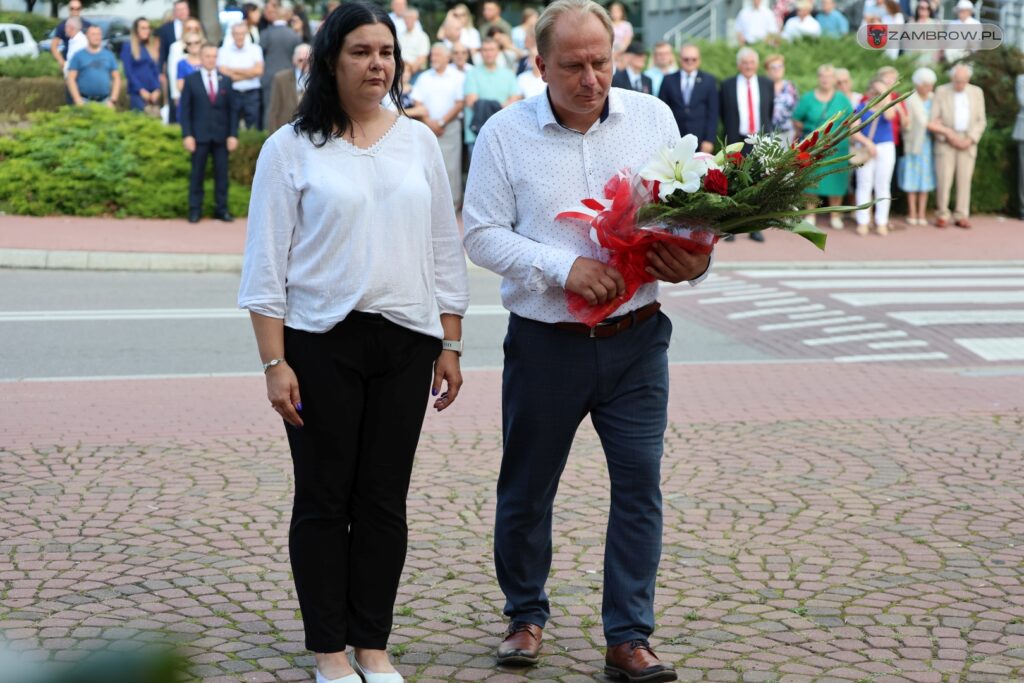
{"points": [[533, 160]]}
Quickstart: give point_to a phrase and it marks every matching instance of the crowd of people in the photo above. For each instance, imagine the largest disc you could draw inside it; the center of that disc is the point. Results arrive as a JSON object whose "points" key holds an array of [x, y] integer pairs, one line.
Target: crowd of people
{"points": [[473, 67]]}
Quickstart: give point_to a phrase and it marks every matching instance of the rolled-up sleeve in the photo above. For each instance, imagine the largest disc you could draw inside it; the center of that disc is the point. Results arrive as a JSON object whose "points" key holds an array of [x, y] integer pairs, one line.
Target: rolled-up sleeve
{"points": [[489, 215], [273, 217], [451, 281]]}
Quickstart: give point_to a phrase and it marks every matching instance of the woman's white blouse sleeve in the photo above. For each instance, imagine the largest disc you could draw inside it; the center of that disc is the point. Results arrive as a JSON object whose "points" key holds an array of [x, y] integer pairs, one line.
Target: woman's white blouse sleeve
{"points": [[273, 218], [451, 281]]}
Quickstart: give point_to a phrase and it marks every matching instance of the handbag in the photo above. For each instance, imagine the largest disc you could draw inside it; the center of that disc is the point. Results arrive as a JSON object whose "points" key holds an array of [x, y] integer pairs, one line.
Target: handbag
{"points": [[861, 155]]}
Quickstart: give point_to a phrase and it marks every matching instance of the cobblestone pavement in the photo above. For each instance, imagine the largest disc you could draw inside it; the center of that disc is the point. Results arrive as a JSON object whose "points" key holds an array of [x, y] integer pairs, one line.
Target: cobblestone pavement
{"points": [[880, 540]]}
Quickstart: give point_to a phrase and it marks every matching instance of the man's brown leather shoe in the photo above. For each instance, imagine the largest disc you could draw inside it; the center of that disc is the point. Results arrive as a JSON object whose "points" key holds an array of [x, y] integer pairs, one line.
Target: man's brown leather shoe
{"points": [[635, 661], [521, 646]]}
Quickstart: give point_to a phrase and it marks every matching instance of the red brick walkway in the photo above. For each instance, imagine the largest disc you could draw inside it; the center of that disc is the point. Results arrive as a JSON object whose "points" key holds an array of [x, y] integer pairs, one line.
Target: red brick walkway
{"points": [[822, 523]]}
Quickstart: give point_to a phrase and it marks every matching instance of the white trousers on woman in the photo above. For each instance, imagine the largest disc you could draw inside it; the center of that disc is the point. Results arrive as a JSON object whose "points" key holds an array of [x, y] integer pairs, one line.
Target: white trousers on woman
{"points": [[876, 177]]}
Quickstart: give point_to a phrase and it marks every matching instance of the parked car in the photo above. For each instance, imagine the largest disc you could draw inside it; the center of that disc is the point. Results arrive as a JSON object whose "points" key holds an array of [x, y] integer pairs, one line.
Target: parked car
{"points": [[16, 41], [116, 32]]}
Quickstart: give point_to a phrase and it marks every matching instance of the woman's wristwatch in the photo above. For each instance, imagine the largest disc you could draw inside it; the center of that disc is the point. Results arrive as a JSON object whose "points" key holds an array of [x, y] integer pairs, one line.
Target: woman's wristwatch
{"points": [[452, 345], [271, 363]]}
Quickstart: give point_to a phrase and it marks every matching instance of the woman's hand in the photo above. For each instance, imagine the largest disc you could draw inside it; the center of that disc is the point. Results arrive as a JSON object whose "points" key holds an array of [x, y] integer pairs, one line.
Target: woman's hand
{"points": [[283, 392], [446, 369], [872, 149]]}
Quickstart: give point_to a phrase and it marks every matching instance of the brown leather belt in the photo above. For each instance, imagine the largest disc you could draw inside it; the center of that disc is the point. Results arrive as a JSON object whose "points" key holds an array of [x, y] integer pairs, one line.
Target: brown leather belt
{"points": [[612, 326]]}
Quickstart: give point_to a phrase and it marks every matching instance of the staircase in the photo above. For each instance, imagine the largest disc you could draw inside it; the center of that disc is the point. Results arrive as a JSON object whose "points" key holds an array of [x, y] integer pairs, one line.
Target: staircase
{"points": [[707, 23], [1008, 15]]}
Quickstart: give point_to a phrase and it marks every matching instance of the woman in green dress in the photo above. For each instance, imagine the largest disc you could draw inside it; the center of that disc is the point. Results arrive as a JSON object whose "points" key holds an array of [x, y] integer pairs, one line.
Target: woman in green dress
{"points": [[813, 110]]}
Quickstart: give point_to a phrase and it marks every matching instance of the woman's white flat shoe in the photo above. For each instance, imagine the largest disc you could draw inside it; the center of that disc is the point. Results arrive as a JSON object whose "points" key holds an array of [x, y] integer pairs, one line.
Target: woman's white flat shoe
{"points": [[351, 678], [370, 677]]}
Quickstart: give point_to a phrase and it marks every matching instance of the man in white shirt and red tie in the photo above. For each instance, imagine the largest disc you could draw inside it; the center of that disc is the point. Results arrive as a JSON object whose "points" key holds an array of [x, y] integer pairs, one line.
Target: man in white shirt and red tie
{"points": [[532, 160], [209, 126], [746, 105]]}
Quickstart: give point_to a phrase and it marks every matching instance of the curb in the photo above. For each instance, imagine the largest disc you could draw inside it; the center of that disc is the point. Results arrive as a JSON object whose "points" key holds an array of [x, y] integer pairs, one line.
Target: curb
{"points": [[117, 260], [44, 259]]}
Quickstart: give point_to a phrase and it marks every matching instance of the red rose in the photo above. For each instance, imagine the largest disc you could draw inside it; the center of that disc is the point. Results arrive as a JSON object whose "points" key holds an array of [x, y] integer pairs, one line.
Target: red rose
{"points": [[736, 158], [715, 181]]}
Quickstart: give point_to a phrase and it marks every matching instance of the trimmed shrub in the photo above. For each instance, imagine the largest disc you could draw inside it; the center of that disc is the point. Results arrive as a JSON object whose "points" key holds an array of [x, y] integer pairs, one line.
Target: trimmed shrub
{"points": [[30, 67], [994, 172], [91, 161], [19, 97], [38, 25], [242, 162]]}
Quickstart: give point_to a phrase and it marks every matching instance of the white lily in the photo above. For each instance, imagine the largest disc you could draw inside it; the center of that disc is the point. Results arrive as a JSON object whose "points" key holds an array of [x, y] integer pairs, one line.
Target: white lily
{"points": [[678, 167]]}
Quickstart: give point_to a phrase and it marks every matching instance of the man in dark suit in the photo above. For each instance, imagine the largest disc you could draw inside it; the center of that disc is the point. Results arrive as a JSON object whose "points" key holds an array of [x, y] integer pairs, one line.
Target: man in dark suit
{"points": [[209, 126], [278, 42], [746, 103], [692, 95], [169, 33], [632, 77]]}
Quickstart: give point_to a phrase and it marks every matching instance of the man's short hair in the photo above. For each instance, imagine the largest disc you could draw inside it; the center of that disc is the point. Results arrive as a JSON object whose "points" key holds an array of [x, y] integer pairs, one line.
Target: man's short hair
{"points": [[545, 28], [207, 45], [74, 21], [746, 52], [299, 48], [966, 67]]}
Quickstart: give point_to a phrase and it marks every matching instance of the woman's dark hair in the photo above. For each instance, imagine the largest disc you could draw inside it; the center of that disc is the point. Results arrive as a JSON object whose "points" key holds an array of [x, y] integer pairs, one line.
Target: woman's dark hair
{"points": [[247, 9], [320, 115]]}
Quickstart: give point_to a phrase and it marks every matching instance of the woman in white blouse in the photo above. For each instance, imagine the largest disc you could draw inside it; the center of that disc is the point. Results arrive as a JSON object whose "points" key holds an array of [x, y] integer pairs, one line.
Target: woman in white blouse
{"points": [[356, 283]]}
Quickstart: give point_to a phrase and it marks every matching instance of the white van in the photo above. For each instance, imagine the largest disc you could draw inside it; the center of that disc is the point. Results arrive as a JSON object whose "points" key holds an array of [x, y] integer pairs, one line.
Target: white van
{"points": [[16, 41]]}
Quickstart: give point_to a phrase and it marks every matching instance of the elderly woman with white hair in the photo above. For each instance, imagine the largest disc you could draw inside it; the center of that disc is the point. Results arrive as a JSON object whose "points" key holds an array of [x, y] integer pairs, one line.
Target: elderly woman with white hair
{"points": [[916, 172]]}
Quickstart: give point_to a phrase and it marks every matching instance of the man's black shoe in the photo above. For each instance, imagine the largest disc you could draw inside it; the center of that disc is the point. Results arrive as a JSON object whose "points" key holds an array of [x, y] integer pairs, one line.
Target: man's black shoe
{"points": [[193, 216], [757, 236], [225, 216]]}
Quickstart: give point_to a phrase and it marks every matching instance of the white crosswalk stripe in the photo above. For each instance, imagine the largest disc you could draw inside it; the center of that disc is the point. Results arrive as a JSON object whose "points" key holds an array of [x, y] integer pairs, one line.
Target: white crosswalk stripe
{"points": [[817, 303]]}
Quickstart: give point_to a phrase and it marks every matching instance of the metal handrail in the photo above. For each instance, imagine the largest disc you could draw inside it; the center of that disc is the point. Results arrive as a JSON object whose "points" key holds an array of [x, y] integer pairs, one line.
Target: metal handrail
{"points": [[701, 24]]}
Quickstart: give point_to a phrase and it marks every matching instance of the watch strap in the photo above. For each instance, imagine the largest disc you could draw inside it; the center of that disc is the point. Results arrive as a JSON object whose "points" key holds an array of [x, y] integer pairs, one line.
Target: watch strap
{"points": [[452, 345]]}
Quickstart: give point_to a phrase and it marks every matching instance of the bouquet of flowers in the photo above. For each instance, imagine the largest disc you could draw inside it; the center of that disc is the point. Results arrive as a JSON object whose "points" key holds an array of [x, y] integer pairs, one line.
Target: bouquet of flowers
{"points": [[692, 199]]}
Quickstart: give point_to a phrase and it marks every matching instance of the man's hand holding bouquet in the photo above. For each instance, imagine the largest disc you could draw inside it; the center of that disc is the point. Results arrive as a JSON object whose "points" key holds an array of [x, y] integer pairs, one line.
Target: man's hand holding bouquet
{"points": [[683, 201]]}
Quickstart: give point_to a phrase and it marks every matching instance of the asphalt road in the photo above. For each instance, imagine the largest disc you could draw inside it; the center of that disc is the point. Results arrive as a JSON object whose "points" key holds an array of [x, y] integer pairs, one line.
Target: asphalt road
{"points": [[80, 324]]}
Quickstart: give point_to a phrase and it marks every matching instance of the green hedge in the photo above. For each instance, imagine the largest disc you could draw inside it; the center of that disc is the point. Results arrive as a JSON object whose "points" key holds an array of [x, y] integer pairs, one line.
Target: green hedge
{"points": [[91, 161], [19, 97], [37, 24], [30, 67], [995, 173]]}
